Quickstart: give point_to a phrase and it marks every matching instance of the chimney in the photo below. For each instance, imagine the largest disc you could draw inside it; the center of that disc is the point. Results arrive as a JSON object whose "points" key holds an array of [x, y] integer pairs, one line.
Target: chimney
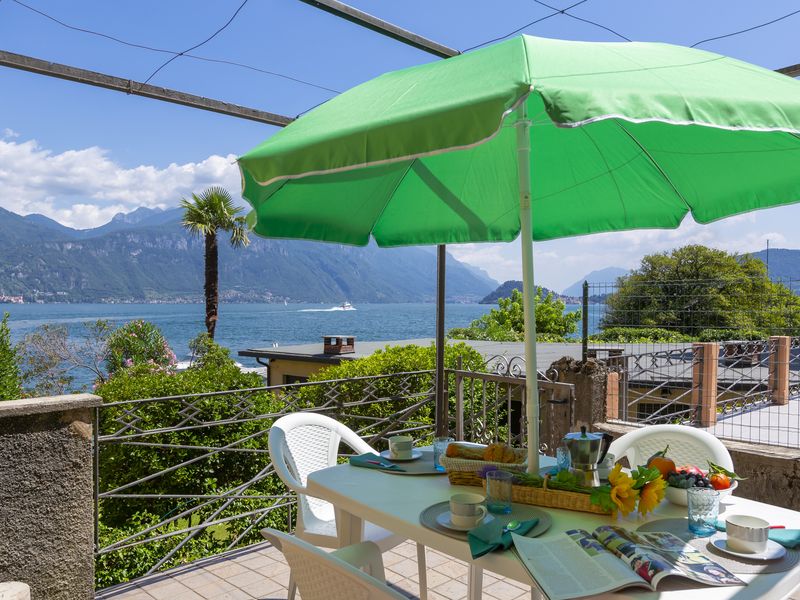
{"points": [[338, 344]]}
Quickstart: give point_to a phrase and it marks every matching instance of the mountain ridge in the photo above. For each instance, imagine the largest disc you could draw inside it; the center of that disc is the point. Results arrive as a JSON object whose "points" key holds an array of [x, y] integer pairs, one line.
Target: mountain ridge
{"points": [[151, 258]]}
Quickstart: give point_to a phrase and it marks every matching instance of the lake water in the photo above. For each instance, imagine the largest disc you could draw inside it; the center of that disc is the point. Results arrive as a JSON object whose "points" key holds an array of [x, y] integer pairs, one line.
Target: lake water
{"points": [[252, 325]]}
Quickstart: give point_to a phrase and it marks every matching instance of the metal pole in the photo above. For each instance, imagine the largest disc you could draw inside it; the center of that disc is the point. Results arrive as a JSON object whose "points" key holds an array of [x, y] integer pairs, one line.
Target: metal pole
{"points": [[585, 322], [442, 412], [526, 236], [128, 86]]}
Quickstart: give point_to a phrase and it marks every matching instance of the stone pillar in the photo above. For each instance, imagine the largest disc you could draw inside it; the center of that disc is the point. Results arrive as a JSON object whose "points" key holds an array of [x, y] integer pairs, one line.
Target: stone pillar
{"points": [[779, 349], [590, 379], [46, 495], [704, 382]]}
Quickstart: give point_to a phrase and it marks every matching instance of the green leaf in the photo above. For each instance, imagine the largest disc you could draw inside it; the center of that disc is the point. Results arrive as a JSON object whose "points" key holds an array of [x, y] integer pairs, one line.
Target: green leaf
{"points": [[715, 468], [601, 496]]}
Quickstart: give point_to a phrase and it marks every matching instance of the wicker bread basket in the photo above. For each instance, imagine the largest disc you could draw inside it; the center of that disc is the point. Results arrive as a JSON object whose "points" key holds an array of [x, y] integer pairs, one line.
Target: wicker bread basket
{"points": [[464, 471]]}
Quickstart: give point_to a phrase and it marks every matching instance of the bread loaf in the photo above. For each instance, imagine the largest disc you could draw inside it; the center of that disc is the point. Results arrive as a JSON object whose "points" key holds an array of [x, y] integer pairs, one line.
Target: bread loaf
{"points": [[469, 451]]}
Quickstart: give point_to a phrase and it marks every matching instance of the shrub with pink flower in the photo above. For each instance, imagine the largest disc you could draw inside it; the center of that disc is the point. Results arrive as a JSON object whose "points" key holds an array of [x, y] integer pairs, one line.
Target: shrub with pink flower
{"points": [[139, 343]]}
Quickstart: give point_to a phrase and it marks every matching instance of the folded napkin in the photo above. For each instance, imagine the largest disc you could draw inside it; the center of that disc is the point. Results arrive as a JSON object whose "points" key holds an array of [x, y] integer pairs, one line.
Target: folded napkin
{"points": [[788, 538], [489, 536], [373, 461]]}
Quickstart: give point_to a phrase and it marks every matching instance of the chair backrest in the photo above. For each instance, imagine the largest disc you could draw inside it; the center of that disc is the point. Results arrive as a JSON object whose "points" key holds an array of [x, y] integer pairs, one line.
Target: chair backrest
{"points": [[687, 445], [322, 576], [302, 443]]}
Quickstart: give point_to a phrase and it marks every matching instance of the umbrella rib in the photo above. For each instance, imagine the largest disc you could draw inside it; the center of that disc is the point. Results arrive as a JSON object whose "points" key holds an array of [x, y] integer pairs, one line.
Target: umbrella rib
{"points": [[655, 164], [389, 197]]}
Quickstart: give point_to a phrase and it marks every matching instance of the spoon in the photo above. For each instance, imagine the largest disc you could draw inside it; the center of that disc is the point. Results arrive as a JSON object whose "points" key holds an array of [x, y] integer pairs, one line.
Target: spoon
{"points": [[511, 526]]}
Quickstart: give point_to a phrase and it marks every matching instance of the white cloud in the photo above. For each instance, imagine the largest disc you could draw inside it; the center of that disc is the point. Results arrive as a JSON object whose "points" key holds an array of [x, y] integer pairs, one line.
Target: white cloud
{"points": [[86, 187], [9, 133]]}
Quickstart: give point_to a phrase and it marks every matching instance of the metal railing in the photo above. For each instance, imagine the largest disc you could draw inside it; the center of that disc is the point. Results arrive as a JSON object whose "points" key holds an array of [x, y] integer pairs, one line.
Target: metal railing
{"points": [[183, 477]]}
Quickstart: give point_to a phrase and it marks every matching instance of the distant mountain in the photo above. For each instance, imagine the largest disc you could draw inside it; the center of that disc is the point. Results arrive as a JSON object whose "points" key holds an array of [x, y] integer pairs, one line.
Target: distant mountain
{"points": [[505, 289], [607, 275], [147, 256], [784, 266]]}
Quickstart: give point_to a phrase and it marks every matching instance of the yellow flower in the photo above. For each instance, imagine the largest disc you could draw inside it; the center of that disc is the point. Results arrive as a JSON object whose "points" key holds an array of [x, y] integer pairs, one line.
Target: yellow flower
{"points": [[651, 494], [624, 496], [622, 492]]}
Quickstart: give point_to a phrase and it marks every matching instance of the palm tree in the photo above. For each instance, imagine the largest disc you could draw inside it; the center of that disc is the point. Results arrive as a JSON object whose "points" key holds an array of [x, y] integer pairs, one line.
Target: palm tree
{"points": [[204, 215]]}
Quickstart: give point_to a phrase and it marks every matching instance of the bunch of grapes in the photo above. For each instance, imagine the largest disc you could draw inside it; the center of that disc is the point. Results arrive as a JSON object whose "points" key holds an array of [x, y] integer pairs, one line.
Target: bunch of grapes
{"points": [[684, 480]]}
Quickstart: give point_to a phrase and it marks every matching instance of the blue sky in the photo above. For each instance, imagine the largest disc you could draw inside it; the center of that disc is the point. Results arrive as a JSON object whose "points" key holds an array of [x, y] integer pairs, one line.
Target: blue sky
{"points": [[80, 154]]}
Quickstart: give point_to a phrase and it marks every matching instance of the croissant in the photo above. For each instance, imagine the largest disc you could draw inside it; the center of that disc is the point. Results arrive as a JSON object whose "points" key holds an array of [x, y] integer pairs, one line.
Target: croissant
{"points": [[500, 453]]}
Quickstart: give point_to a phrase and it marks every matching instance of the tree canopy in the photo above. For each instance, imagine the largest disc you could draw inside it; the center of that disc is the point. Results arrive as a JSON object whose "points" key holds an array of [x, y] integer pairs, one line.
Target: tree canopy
{"points": [[507, 324], [695, 289], [10, 388]]}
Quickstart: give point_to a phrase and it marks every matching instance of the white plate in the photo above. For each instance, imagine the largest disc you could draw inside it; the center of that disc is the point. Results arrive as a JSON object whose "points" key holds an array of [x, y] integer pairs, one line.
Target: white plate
{"points": [[443, 519], [774, 550], [415, 454]]}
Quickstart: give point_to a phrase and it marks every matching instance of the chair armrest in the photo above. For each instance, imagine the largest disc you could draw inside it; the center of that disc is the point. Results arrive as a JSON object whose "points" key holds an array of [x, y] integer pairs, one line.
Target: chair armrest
{"points": [[278, 452], [365, 555]]}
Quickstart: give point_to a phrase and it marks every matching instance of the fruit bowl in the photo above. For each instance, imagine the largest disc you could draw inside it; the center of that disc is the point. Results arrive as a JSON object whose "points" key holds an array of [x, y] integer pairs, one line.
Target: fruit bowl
{"points": [[678, 495]]}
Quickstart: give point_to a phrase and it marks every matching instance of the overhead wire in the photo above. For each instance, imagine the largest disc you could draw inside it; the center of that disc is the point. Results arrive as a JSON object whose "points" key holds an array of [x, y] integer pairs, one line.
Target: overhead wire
{"points": [[754, 27], [173, 52], [590, 22], [534, 22], [205, 41]]}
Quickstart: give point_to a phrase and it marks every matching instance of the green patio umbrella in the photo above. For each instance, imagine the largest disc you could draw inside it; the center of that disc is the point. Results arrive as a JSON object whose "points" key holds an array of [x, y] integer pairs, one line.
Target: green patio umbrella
{"points": [[535, 137]]}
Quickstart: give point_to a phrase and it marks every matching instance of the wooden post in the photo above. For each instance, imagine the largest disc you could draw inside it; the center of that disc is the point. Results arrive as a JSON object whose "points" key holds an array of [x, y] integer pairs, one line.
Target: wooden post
{"points": [[459, 400], [612, 396], [704, 382], [779, 349]]}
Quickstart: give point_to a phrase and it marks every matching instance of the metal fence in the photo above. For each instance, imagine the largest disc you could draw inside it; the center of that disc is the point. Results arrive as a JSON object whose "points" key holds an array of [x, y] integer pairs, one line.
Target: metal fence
{"points": [[738, 390], [639, 317], [183, 477]]}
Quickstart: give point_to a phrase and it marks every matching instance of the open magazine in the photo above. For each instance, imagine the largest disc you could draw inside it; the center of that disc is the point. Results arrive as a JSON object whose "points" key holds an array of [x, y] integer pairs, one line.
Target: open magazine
{"points": [[611, 558]]}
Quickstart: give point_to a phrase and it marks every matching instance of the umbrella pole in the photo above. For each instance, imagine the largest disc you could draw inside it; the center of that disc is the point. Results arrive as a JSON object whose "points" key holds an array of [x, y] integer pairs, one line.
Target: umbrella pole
{"points": [[526, 238]]}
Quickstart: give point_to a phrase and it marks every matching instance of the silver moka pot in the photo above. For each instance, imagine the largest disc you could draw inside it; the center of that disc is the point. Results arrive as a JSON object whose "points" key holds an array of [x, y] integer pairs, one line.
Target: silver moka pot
{"points": [[586, 451]]}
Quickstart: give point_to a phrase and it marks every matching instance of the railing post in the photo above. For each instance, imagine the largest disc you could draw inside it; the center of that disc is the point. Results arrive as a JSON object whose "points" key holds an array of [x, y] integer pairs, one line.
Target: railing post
{"points": [[779, 353], [585, 322], [612, 396], [459, 400], [704, 382]]}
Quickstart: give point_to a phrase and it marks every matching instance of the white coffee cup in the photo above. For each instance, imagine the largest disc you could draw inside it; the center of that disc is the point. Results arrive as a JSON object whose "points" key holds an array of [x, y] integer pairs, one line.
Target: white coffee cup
{"points": [[747, 534], [467, 510], [400, 446]]}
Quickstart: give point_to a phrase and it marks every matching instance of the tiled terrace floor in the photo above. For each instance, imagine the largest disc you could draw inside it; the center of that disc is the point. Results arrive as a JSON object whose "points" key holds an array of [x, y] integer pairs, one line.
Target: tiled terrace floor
{"points": [[260, 572]]}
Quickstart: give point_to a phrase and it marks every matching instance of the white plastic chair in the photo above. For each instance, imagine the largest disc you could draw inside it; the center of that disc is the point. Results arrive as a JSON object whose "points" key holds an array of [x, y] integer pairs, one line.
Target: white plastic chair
{"points": [[687, 446], [14, 590], [335, 576], [302, 443]]}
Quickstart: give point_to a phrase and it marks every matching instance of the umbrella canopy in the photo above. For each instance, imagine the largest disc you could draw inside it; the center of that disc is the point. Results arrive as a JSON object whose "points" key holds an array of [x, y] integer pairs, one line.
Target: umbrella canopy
{"points": [[427, 155], [535, 137]]}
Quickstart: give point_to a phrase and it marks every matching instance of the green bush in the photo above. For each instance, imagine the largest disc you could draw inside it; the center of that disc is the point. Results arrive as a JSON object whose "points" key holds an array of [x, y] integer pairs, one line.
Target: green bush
{"points": [[138, 343], [392, 359], [10, 385], [724, 335], [121, 464], [507, 324], [638, 335]]}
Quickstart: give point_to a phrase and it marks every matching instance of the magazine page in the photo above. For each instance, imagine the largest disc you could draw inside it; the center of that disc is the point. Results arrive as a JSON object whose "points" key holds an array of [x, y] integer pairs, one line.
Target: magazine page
{"points": [[656, 555], [574, 565], [637, 552], [690, 562]]}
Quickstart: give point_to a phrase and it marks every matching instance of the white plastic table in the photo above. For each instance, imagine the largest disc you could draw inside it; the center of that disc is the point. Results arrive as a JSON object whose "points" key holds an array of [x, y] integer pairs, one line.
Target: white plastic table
{"points": [[395, 503]]}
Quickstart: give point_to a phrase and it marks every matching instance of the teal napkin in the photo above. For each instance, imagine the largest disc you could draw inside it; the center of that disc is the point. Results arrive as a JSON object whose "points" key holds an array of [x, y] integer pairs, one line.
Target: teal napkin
{"points": [[489, 536], [788, 538], [363, 460]]}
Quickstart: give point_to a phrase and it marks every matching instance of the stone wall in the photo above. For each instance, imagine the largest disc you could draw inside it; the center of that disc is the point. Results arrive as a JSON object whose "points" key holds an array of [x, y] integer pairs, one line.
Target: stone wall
{"points": [[590, 379], [46, 495], [773, 473]]}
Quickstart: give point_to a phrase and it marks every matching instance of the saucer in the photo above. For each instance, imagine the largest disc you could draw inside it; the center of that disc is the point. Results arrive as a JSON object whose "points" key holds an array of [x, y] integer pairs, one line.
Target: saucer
{"points": [[773, 551], [443, 519], [415, 454]]}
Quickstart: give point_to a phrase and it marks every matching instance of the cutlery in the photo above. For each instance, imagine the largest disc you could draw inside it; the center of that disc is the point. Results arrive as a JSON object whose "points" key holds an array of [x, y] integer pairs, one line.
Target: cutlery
{"points": [[511, 526]]}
